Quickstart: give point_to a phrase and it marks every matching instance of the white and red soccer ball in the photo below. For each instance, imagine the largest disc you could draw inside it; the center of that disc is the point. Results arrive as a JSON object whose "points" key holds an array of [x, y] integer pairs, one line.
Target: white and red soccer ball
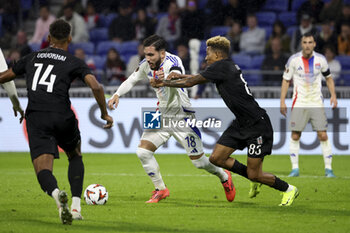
{"points": [[96, 194]]}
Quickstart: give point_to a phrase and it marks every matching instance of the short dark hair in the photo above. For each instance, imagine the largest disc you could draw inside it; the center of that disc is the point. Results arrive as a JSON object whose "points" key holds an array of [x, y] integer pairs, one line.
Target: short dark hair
{"points": [[60, 29], [309, 34], [157, 41]]}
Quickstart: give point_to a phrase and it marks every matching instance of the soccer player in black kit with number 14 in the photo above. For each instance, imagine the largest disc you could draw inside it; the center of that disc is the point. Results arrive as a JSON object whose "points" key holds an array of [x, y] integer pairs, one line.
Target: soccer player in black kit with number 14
{"points": [[50, 120], [251, 128]]}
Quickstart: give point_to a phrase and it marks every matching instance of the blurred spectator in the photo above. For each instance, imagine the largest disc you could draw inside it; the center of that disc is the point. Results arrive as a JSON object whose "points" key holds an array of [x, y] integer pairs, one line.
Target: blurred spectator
{"points": [[275, 61], [253, 40], [234, 36], [79, 30], [344, 17], [312, 8], [331, 10], [234, 11], [13, 56], [169, 26], [91, 18], [135, 60], [326, 36], [214, 13], [79, 53], [334, 65], [182, 52], [114, 68], [122, 28], [75, 4], [9, 10], [21, 43], [192, 22], [144, 25], [304, 27], [279, 30], [42, 24], [344, 40], [201, 87]]}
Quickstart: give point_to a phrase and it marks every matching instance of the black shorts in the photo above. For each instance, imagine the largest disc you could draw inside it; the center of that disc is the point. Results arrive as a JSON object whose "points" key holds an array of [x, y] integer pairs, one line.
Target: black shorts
{"points": [[47, 130], [258, 138]]}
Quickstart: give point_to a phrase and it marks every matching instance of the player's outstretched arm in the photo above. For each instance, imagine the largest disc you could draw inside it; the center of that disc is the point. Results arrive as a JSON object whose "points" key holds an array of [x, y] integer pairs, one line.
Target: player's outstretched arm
{"points": [[331, 88], [179, 80], [284, 90], [6, 78], [98, 92]]}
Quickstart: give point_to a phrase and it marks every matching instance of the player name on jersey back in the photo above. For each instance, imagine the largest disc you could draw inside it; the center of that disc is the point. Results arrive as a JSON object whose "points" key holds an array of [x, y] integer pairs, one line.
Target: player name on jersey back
{"points": [[54, 56]]}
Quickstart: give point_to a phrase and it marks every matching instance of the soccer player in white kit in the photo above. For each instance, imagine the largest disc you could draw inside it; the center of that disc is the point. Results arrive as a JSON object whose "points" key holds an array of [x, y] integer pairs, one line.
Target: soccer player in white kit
{"points": [[173, 102], [306, 68]]}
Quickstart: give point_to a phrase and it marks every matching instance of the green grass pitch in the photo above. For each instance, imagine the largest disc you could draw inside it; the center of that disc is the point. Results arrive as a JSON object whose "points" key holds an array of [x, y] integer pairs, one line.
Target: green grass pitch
{"points": [[197, 201]]}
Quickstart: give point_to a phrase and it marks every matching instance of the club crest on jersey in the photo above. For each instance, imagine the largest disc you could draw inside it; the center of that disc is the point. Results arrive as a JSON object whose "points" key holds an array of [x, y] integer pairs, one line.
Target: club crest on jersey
{"points": [[152, 119], [259, 140], [318, 66]]}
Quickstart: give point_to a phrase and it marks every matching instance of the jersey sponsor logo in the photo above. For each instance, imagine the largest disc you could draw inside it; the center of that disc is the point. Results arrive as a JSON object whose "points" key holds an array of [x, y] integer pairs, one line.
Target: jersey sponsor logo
{"points": [[152, 119], [52, 56]]}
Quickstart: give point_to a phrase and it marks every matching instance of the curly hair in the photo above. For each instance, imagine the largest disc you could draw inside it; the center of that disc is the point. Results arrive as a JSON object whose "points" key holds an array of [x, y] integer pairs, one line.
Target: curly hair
{"points": [[219, 43]]}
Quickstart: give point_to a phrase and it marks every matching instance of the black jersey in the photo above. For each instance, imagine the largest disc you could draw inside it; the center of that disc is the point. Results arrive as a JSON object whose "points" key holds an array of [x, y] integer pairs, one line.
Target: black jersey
{"points": [[49, 74], [234, 91]]}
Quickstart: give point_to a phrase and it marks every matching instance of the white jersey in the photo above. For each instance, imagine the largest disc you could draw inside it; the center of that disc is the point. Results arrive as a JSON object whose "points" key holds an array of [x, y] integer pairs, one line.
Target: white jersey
{"points": [[170, 100], [307, 78]]}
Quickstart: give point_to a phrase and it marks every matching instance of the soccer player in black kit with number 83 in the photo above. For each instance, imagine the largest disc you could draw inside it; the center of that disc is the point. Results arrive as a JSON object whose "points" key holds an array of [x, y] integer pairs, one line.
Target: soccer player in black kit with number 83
{"points": [[50, 120], [251, 128]]}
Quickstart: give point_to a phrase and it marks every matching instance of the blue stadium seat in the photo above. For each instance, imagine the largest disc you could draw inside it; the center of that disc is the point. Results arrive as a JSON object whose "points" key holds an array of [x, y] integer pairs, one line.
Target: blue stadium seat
{"points": [[296, 4], [268, 31], [104, 46], [219, 31], [242, 60], [202, 3], [26, 5], [98, 34], [35, 46], [266, 18], [344, 61], [276, 5], [99, 61], [257, 61], [161, 15], [105, 20], [288, 18], [253, 79], [129, 47], [88, 47], [203, 48], [291, 30]]}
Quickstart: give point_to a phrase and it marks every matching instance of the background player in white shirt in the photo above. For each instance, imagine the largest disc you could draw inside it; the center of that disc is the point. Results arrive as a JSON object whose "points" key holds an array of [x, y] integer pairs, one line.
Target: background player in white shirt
{"points": [[175, 103], [306, 68], [10, 88]]}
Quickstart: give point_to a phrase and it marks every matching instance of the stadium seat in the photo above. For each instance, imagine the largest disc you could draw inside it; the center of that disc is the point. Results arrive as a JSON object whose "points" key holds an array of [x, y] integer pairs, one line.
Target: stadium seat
{"points": [[257, 61], [104, 46], [105, 20], [344, 61], [242, 60], [129, 47], [266, 18], [161, 15], [268, 31], [35, 47], [202, 3], [276, 5], [88, 47], [203, 48], [219, 31], [98, 34], [296, 4], [288, 18], [99, 61]]}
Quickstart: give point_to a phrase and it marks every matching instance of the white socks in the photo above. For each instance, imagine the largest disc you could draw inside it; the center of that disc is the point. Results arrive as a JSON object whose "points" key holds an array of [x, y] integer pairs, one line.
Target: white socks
{"points": [[327, 154], [54, 194], [204, 163], [75, 204], [294, 153], [149, 163]]}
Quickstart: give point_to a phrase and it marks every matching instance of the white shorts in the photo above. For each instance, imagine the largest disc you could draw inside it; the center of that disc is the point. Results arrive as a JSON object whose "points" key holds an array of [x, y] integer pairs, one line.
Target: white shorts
{"points": [[300, 116], [190, 139]]}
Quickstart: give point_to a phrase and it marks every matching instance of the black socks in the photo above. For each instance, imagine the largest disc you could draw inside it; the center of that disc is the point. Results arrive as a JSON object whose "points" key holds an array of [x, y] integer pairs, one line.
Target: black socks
{"points": [[240, 169], [47, 181], [76, 175]]}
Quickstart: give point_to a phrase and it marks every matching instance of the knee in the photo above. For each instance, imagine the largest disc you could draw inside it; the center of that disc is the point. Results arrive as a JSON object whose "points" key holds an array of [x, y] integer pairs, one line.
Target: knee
{"points": [[322, 136], [215, 160], [143, 154], [296, 136]]}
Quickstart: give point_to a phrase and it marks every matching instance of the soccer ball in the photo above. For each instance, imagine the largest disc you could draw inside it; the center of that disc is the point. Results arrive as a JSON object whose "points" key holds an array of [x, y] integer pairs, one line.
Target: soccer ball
{"points": [[96, 194]]}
